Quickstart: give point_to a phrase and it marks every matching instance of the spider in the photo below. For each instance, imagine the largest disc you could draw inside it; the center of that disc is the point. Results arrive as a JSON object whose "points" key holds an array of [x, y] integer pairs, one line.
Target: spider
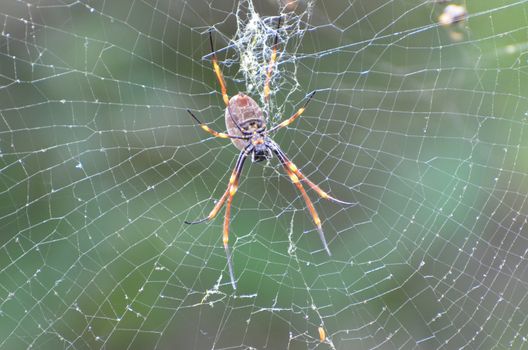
{"points": [[246, 127]]}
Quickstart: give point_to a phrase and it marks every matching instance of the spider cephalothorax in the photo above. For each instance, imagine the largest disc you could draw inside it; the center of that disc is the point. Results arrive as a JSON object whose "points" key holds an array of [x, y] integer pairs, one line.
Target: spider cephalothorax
{"points": [[246, 127]]}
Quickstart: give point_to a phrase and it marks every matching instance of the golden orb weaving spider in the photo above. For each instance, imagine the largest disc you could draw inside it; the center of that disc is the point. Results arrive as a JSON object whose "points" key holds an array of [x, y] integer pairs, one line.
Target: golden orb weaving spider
{"points": [[246, 127]]}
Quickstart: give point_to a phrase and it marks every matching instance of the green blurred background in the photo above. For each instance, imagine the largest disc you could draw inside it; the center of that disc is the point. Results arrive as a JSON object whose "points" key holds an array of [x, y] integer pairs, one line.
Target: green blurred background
{"points": [[423, 126]]}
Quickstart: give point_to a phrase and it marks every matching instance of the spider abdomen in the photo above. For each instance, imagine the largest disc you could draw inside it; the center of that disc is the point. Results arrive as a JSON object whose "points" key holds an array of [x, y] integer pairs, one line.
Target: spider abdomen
{"points": [[244, 111]]}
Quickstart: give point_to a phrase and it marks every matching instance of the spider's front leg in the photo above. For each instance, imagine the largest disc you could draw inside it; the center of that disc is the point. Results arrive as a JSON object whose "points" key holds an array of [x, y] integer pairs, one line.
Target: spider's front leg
{"points": [[272, 61], [294, 116], [213, 132], [218, 72]]}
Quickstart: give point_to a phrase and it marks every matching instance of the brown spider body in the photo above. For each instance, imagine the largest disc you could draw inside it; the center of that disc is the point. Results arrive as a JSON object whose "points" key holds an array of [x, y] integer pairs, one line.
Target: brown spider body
{"points": [[246, 127], [244, 111], [244, 118]]}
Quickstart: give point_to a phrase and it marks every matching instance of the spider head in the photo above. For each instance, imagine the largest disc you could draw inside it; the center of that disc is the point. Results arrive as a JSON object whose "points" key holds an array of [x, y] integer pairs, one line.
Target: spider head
{"points": [[260, 152]]}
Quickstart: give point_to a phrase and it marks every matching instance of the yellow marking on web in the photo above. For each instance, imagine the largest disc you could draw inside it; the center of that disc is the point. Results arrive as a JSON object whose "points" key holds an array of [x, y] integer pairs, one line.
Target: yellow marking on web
{"points": [[206, 128], [322, 334]]}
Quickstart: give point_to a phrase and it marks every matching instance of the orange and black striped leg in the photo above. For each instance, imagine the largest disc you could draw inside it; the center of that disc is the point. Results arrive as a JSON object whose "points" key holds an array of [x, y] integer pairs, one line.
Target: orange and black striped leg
{"points": [[228, 194], [213, 212], [313, 212], [271, 64], [232, 191], [215, 133], [218, 72], [234, 178], [295, 179], [233, 186], [293, 168], [295, 116]]}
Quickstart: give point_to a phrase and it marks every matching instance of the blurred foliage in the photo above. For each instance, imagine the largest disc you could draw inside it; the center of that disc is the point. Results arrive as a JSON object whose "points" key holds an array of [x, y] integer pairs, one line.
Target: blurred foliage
{"points": [[421, 125]]}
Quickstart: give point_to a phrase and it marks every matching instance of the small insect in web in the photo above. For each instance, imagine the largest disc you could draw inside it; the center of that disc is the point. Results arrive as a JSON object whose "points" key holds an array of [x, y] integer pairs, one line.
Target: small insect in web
{"points": [[453, 19], [246, 127]]}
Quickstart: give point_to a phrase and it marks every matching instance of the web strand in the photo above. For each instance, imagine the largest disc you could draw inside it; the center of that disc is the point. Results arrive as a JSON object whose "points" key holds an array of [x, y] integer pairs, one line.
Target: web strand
{"points": [[420, 122]]}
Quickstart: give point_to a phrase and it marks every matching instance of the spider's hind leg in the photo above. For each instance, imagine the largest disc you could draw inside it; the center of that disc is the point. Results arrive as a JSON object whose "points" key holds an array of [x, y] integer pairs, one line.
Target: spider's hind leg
{"points": [[228, 195]]}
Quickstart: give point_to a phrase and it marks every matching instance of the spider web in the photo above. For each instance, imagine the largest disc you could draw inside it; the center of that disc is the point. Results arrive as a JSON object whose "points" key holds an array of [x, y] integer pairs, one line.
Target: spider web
{"points": [[423, 126]]}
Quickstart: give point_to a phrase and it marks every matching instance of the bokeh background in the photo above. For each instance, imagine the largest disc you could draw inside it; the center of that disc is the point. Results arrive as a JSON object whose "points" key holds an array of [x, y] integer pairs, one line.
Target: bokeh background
{"points": [[422, 126]]}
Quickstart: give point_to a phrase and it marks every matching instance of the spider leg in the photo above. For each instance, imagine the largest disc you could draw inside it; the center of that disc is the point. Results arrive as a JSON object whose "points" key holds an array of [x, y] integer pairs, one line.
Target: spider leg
{"points": [[288, 164], [295, 116], [221, 80], [232, 191], [271, 63], [228, 194], [295, 179], [213, 212], [233, 186], [216, 133], [218, 72]]}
